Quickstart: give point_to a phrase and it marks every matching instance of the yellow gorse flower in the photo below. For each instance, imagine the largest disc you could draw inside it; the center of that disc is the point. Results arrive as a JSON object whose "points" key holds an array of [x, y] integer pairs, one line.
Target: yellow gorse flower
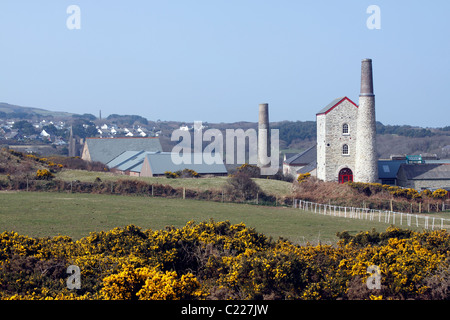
{"points": [[218, 260]]}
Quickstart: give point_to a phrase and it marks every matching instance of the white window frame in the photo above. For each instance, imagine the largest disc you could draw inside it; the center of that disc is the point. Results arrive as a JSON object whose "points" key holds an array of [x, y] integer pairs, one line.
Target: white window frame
{"points": [[348, 129], [343, 150]]}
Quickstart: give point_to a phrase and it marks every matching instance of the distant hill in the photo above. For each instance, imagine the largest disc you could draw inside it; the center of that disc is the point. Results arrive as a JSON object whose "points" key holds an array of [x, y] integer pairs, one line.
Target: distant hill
{"points": [[294, 135], [14, 111]]}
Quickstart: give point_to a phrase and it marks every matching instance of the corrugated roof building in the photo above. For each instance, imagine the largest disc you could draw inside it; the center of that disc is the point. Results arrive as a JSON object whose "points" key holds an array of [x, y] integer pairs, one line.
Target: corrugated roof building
{"points": [[106, 149], [128, 162], [150, 164], [155, 164]]}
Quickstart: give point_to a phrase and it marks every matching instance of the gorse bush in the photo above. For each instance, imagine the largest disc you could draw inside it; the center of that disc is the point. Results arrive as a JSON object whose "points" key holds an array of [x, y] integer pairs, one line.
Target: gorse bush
{"points": [[440, 194], [185, 173], [220, 260], [171, 175], [44, 174], [303, 176]]}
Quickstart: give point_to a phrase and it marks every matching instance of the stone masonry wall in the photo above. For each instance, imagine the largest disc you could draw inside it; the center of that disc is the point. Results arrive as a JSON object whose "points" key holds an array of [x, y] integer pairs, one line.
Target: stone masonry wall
{"points": [[330, 140]]}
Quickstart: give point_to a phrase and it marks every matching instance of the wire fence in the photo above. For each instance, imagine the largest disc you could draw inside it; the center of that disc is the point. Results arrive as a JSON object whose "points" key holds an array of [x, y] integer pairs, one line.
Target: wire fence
{"points": [[382, 216]]}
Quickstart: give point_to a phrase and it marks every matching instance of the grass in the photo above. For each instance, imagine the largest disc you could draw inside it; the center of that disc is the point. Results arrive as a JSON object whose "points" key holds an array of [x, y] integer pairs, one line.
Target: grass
{"points": [[48, 214], [274, 187]]}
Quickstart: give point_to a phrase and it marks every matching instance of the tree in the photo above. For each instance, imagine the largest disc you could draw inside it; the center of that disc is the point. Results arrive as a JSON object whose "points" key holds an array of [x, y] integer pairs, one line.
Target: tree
{"points": [[24, 127], [242, 186], [84, 128]]}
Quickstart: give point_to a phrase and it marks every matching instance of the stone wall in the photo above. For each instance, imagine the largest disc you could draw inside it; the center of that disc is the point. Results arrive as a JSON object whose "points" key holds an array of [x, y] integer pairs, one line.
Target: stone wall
{"points": [[366, 155], [330, 141]]}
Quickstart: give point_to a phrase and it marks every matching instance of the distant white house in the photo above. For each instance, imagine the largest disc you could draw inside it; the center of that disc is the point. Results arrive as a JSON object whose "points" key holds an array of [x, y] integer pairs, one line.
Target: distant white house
{"points": [[44, 134]]}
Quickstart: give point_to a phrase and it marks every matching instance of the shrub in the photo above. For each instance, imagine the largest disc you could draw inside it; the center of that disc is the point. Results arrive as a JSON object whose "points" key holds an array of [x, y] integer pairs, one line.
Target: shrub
{"points": [[44, 174], [440, 194], [303, 176], [427, 193], [224, 260], [188, 173], [242, 186], [171, 175], [249, 169]]}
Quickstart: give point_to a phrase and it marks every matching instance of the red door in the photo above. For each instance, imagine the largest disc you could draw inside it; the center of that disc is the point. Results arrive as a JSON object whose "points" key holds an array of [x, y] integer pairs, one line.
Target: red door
{"points": [[345, 175]]}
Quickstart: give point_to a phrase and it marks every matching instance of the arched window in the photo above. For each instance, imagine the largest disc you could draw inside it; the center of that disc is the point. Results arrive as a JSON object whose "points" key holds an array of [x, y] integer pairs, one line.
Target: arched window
{"points": [[345, 128], [345, 149]]}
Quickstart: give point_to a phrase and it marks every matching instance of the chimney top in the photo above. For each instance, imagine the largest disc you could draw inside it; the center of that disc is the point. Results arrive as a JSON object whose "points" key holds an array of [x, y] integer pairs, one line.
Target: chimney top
{"points": [[366, 78], [263, 114]]}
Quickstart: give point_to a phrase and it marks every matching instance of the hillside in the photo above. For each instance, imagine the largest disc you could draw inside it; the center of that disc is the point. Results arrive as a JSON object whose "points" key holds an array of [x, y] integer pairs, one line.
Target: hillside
{"points": [[294, 135], [13, 111]]}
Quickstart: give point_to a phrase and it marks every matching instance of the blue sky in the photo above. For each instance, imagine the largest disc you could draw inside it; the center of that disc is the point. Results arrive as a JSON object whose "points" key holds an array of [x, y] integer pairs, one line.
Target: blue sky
{"points": [[216, 60]]}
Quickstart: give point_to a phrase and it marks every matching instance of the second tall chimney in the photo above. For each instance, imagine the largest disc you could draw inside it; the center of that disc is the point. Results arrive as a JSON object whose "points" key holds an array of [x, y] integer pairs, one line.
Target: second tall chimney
{"points": [[263, 136]]}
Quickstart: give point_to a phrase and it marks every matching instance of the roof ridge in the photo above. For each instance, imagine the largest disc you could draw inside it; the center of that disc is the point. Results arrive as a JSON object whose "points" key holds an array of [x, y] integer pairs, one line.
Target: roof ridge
{"points": [[334, 103]]}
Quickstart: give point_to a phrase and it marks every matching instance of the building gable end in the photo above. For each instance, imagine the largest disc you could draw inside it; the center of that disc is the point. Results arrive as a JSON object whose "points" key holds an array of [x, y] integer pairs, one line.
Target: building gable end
{"points": [[333, 104]]}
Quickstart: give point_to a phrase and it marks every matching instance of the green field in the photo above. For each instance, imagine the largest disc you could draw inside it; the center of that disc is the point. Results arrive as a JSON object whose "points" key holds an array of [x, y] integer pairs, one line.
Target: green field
{"points": [[274, 187], [75, 215]]}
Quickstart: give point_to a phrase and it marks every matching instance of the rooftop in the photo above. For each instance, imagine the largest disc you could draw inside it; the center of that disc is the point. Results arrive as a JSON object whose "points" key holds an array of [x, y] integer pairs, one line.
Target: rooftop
{"points": [[303, 158], [426, 171], [333, 104], [106, 149]]}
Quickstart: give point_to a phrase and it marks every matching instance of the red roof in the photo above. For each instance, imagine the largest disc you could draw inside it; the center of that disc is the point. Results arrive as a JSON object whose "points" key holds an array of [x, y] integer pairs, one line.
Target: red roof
{"points": [[333, 104]]}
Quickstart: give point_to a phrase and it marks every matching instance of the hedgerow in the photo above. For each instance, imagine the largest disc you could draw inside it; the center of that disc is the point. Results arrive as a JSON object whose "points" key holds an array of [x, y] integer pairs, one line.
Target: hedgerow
{"points": [[220, 260]]}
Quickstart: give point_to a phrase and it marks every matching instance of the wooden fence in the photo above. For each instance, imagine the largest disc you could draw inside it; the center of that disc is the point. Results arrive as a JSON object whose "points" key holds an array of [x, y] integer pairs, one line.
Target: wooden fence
{"points": [[382, 216]]}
